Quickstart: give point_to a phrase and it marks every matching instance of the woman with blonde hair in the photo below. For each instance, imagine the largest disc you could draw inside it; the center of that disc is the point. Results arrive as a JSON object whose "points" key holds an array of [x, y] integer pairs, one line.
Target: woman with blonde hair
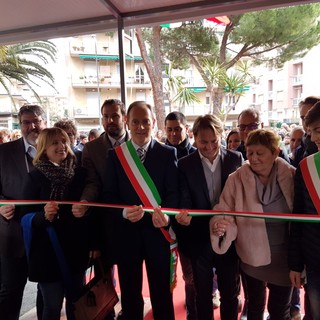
{"points": [[56, 178]]}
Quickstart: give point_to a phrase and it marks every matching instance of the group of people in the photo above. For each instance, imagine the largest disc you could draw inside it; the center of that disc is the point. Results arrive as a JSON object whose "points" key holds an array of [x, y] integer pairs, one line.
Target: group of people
{"points": [[126, 166]]}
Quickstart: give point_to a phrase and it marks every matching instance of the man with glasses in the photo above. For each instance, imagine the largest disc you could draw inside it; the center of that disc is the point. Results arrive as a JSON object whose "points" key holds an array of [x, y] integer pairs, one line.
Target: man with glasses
{"points": [[249, 120], [15, 164]]}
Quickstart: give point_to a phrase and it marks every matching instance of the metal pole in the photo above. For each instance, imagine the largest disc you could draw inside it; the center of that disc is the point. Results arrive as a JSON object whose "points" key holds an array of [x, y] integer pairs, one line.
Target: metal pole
{"points": [[122, 61], [98, 81]]}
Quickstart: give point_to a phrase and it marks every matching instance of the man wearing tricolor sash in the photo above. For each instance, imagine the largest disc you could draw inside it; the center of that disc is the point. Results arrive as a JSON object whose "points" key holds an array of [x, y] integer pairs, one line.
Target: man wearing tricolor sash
{"points": [[147, 180], [304, 250]]}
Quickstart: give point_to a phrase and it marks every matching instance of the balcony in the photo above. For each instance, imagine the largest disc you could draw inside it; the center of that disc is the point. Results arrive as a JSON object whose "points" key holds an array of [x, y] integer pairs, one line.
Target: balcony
{"points": [[297, 80], [296, 101], [110, 81]]}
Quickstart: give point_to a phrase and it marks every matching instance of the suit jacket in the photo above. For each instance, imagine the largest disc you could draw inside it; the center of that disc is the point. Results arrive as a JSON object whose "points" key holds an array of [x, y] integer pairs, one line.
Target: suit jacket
{"points": [[13, 174], [161, 165], [195, 195], [94, 159]]}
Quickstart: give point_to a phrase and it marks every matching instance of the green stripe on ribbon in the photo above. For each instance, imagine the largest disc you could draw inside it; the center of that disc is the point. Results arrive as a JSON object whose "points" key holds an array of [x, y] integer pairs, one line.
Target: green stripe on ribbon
{"points": [[144, 172]]}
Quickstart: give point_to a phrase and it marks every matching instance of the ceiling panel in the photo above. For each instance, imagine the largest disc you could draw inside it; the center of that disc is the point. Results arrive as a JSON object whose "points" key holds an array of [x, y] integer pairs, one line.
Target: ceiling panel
{"points": [[30, 20]]}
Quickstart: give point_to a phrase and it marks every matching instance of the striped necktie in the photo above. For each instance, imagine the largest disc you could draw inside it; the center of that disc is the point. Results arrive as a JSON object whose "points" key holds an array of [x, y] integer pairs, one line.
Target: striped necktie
{"points": [[142, 154]]}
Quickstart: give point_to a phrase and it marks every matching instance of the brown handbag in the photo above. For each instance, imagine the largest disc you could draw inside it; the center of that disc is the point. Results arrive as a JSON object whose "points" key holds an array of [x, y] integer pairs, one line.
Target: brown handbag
{"points": [[98, 299]]}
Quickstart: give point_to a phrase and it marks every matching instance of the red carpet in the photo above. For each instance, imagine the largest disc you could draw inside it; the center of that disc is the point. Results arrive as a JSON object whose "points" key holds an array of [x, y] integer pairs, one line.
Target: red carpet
{"points": [[178, 297]]}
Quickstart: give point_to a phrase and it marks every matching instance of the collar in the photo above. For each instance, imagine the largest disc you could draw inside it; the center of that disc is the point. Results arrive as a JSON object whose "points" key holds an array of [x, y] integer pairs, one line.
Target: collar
{"points": [[27, 145], [145, 146], [121, 139], [212, 166]]}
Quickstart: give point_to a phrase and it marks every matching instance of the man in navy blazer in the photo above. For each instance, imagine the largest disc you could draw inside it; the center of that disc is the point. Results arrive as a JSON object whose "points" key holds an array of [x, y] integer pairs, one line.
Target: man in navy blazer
{"points": [[202, 176], [137, 237], [15, 163]]}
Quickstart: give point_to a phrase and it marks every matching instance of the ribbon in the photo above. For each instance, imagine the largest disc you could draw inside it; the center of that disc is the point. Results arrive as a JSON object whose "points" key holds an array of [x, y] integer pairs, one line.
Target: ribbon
{"points": [[298, 217]]}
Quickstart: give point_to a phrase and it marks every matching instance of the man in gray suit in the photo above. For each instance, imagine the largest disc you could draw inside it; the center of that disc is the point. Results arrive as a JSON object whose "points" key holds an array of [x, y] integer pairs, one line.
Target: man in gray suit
{"points": [[15, 164]]}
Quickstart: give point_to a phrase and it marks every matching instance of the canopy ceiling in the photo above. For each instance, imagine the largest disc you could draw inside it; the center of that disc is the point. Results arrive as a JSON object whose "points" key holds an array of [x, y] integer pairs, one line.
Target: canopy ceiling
{"points": [[30, 20]]}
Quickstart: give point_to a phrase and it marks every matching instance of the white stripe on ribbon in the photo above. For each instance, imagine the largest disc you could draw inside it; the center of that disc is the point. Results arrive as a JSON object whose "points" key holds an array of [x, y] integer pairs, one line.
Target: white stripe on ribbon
{"points": [[314, 174], [138, 175]]}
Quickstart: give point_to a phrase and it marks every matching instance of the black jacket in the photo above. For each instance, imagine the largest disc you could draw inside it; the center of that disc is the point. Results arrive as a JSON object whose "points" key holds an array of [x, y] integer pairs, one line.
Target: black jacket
{"points": [[304, 248]]}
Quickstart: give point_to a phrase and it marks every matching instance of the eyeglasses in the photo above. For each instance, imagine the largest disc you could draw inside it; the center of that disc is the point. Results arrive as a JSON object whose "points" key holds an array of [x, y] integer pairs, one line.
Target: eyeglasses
{"points": [[249, 127], [28, 123]]}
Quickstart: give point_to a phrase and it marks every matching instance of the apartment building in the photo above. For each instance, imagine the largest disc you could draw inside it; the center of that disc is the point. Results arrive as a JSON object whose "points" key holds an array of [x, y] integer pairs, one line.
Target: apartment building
{"points": [[87, 72]]}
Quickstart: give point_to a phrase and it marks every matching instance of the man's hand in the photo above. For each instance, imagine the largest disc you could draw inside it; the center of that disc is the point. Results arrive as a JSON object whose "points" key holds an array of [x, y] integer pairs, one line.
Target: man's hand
{"points": [[7, 211], [183, 218], [295, 278], [79, 210], [133, 214], [159, 219]]}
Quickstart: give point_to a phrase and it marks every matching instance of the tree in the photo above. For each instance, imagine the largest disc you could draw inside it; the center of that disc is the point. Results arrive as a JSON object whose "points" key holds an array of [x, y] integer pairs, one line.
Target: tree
{"points": [[176, 91], [153, 65], [24, 63], [273, 36]]}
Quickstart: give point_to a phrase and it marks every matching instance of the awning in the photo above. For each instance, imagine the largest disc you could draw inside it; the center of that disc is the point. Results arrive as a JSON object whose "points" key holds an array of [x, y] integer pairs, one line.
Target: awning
{"points": [[108, 57]]}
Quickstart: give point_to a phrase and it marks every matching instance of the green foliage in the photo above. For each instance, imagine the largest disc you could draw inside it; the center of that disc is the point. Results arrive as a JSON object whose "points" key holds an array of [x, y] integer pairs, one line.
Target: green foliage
{"points": [[192, 38], [24, 63], [288, 33]]}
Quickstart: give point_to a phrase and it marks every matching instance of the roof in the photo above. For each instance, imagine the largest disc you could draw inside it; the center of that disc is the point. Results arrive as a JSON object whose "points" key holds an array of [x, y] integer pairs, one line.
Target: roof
{"points": [[30, 20]]}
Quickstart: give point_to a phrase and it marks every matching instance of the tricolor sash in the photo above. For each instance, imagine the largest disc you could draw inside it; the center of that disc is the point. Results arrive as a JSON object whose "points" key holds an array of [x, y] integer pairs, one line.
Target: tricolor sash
{"points": [[310, 168], [149, 195]]}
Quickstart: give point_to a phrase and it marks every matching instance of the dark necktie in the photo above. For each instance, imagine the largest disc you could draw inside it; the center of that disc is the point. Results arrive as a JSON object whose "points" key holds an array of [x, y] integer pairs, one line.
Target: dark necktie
{"points": [[117, 143], [141, 153]]}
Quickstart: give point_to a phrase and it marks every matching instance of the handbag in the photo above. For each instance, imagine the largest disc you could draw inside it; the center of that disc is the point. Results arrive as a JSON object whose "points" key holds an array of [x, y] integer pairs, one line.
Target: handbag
{"points": [[98, 298]]}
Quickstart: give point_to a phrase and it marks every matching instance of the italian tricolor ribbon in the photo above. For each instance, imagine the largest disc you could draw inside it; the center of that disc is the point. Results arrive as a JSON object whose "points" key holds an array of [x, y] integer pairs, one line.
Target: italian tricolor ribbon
{"points": [[310, 168], [149, 195]]}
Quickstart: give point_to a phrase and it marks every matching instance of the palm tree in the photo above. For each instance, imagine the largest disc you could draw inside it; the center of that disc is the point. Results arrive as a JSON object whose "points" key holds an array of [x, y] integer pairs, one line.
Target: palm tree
{"points": [[24, 64], [175, 90]]}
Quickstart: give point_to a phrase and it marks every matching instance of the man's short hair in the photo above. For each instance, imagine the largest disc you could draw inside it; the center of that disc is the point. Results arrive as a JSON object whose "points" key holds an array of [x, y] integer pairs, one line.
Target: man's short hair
{"points": [[208, 121], [176, 115], [252, 112], [66, 124], [34, 109], [117, 102], [140, 103], [313, 115], [311, 100]]}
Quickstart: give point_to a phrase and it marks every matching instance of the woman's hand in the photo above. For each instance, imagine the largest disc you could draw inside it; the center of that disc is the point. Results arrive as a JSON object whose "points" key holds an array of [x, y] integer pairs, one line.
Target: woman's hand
{"points": [[219, 226], [159, 219], [7, 211], [51, 210], [183, 218]]}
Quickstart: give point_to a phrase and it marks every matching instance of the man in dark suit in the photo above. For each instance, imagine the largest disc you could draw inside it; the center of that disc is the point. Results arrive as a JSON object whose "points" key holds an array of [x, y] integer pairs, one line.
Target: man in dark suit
{"points": [[176, 130], [202, 177], [137, 235], [94, 159], [15, 163]]}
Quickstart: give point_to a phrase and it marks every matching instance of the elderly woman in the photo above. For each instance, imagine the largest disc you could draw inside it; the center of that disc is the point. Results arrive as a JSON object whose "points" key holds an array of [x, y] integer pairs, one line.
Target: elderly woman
{"points": [[263, 184]]}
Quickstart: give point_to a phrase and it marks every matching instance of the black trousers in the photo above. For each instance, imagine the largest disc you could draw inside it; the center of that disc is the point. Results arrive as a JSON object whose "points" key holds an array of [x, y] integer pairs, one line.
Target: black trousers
{"points": [[279, 300], [13, 278], [227, 268], [154, 250]]}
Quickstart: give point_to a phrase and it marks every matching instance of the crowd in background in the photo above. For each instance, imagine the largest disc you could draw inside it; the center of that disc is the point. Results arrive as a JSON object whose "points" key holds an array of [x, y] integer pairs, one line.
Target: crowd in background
{"points": [[203, 167]]}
